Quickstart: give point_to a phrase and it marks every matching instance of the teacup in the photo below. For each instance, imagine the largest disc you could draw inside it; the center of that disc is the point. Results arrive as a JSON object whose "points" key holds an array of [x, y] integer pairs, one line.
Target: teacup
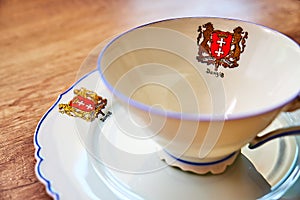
{"points": [[204, 87]]}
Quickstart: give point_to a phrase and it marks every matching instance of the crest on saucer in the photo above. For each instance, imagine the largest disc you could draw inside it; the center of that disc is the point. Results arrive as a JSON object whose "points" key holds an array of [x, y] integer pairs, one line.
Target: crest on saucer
{"points": [[220, 48], [86, 104]]}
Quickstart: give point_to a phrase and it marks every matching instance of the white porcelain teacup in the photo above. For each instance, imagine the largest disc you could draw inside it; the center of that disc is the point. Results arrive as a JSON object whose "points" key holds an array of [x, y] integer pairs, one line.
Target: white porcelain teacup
{"points": [[205, 87]]}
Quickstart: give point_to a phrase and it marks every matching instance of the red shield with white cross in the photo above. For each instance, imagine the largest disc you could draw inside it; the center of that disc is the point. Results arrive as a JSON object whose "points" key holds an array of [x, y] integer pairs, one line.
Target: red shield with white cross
{"points": [[220, 44], [83, 104], [86, 105]]}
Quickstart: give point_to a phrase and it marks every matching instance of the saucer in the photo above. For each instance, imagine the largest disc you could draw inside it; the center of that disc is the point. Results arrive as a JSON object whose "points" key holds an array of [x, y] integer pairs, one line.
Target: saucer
{"points": [[77, 159]]}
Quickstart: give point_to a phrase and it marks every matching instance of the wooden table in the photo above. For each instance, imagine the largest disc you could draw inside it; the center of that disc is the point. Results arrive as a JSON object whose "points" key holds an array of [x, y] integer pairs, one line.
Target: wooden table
{"points": [[42, 44]]}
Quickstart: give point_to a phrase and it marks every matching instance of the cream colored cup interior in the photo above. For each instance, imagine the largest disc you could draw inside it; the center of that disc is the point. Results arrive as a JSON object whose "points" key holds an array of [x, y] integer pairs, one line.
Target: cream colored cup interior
{"points": [[156, 65]]}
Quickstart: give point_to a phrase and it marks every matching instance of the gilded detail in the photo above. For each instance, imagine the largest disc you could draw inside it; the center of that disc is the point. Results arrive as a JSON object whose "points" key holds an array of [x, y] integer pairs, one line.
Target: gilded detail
{"points": [[86, 104]]}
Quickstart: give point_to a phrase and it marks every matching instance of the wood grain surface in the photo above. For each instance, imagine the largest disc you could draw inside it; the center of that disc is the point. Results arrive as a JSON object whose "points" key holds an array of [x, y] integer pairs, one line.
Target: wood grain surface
{"points": [[42, 45]]}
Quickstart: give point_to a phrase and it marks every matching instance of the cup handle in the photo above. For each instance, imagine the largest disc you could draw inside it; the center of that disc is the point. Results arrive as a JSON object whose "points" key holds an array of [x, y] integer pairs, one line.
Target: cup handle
{"points": [[291, 130]]}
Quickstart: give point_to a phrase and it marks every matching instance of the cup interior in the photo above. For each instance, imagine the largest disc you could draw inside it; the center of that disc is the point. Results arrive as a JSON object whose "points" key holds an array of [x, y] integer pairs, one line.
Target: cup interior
{"points": [[154, 67]]}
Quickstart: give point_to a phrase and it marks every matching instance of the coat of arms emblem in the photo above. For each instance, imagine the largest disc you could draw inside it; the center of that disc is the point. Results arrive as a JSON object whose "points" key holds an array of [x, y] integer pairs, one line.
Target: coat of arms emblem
{"points": [[220, 48], [86, 104]]}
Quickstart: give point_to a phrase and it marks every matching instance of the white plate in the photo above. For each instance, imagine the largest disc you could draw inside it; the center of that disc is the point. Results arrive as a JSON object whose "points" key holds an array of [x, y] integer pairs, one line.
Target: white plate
{"points": [[81, 160]]}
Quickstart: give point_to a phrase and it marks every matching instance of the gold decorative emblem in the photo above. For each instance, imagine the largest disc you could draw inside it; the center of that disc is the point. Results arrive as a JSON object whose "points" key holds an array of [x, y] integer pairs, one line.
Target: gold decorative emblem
{"points": [[220, 48], [86, 105]]}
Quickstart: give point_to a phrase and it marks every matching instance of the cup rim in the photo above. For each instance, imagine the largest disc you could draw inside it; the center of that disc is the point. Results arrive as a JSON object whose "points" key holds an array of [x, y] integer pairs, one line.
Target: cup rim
{"points": [[192, 116]]}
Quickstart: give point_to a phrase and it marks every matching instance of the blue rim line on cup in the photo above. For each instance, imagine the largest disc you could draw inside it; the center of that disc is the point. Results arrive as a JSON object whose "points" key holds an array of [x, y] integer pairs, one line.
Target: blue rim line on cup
{"points": [[200, 163]]}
